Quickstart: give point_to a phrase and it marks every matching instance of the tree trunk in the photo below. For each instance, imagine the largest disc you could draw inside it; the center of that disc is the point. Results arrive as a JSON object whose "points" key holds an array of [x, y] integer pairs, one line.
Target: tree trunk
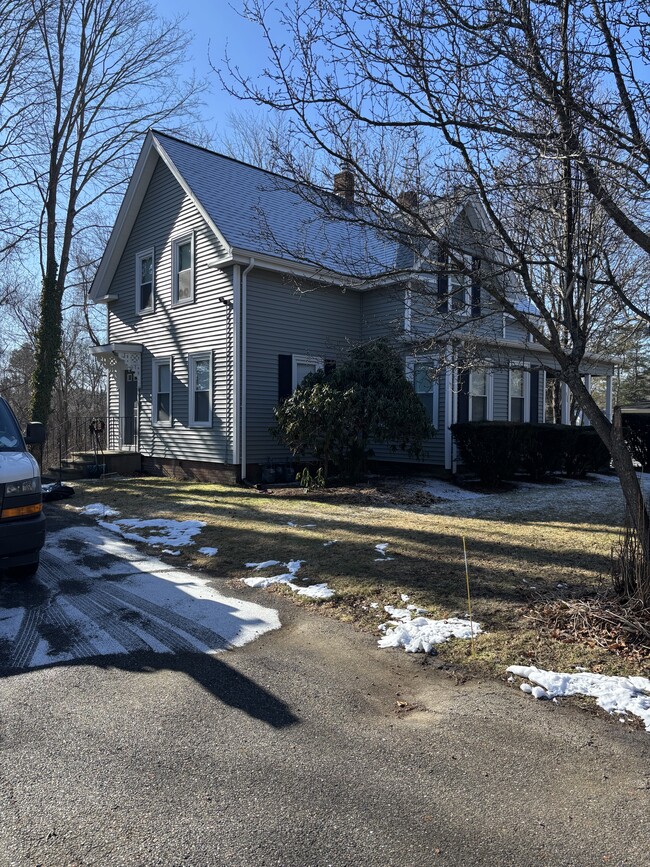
{"points": [[48, 348], [637, 511]]}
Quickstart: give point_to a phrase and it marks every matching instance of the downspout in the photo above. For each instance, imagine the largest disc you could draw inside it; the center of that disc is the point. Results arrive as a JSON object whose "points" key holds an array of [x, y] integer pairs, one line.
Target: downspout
{"points": [[242, 405]]}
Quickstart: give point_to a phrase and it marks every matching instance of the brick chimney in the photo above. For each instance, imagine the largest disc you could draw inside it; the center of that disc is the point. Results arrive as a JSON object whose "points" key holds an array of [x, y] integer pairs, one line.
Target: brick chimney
{"points": [[344, 186], [408, 199]]}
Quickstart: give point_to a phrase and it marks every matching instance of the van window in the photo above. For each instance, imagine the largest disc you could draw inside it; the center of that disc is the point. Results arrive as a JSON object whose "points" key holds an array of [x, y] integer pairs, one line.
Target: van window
{"points": [[10, 437]]}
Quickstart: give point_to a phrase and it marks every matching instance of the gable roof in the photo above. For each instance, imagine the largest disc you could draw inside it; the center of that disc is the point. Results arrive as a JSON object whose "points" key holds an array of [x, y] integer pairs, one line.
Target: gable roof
{"points": [[256, 213]]}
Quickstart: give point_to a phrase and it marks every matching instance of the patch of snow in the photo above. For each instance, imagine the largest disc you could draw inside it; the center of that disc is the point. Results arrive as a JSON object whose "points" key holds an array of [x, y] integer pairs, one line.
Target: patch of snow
{"points": [[170, 532], [374, 604], [613, 694], [98, 510], [420, 634], [265, 564], [331, 542], [299, 526], [445, 490], [171, 553], [382, 547], [153, 605], [209, 552], [405, 597], [314, 591], [383, 559]]}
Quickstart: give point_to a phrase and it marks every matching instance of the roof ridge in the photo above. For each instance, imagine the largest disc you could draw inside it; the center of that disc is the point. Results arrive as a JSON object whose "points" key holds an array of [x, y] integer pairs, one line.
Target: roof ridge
{"points": [[240, 162]]}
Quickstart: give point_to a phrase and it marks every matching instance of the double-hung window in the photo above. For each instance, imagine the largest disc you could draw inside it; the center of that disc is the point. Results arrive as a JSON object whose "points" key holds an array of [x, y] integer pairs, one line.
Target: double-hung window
{"points": [[144, 282], [479, 383], [304, 365], [162, 392], [517, 397], [183, 270], [425, 385], [200, 370]]}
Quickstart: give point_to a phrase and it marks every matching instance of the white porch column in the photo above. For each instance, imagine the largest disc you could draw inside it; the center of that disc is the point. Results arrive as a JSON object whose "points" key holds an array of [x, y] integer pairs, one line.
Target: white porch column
{"points": [[584, 419]]}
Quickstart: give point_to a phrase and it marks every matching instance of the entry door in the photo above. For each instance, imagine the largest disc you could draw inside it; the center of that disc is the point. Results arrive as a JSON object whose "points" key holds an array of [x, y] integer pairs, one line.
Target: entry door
{"points": [[130, 408]]}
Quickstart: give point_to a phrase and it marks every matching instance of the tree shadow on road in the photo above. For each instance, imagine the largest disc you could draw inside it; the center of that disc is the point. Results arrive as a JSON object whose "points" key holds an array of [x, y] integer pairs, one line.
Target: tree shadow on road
{"points": [[215, 676]]}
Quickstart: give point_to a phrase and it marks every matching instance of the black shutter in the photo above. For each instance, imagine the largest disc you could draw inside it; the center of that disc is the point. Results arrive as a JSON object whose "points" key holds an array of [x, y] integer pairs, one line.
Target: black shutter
{"points": [[534, 396], [443, 281], [329, 366], [463, 397], [476, 288], [285, 377]]}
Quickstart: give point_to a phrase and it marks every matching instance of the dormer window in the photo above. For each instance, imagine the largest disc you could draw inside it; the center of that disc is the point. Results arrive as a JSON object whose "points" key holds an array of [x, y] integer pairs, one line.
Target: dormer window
{"points": [[183, 270], [144, 282]]}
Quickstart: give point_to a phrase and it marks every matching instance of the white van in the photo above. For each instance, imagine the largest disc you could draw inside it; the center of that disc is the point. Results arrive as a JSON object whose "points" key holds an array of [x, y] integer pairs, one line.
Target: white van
{"points": [[22, 523]]}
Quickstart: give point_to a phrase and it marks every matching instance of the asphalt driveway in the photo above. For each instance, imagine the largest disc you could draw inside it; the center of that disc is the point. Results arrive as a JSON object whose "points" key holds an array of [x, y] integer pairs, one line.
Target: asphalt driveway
{"points": [[306, 746]]}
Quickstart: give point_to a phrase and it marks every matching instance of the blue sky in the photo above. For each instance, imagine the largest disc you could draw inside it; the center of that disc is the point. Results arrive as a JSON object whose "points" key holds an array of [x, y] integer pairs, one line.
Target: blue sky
{"points": [[216, 26]]}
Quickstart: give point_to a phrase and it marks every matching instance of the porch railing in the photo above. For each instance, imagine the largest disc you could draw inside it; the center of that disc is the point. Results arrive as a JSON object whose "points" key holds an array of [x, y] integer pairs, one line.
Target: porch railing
{"points": [[89, 434]]}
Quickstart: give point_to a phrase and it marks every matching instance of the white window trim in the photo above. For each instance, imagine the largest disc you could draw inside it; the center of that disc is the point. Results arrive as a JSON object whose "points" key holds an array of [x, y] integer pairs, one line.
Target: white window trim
{"points": [[318, 361], [411, 361], [144, 254], [526, 395], [408, 300], [155, 364], [191, 359], [489, 403], [176, 243]]}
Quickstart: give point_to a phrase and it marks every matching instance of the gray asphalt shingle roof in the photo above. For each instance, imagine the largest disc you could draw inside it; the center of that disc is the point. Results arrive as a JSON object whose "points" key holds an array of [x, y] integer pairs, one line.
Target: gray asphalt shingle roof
{"points": [[263, 213]]}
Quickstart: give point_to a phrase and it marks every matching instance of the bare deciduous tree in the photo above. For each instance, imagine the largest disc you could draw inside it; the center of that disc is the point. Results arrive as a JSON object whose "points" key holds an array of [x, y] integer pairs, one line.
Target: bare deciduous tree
{"points": [[537, 112], [103, 72]]}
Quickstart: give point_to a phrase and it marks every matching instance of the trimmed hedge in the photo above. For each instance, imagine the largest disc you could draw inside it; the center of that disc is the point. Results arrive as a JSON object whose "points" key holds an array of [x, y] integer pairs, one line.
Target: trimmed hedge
{"points": [[491, 449], [495, 451], [636, 429]]}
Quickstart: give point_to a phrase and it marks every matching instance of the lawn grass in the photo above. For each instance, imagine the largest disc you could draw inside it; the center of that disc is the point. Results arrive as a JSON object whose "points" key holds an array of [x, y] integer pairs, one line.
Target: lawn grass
{"points": [[519, 549]]}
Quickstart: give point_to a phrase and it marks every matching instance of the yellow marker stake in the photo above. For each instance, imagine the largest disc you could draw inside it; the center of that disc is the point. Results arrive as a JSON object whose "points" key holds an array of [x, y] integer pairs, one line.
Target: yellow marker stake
{"points": [[469, 598]]}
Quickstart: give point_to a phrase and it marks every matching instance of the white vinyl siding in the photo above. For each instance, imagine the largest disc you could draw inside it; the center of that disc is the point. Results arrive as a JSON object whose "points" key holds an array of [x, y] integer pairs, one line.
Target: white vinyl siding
{"points": [[144, 282], [200, 389]]}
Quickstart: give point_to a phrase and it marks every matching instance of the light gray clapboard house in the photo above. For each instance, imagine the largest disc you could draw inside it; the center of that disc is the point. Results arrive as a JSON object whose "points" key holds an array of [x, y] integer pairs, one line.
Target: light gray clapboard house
{"points": [[224, 287]]}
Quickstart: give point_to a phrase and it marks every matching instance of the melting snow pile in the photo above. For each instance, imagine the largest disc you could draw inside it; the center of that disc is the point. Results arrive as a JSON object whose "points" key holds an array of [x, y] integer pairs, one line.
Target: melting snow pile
{"points": [[316, 591], [99, 510], [176, 533], [209, 552], [614, 694], [419, 634]]}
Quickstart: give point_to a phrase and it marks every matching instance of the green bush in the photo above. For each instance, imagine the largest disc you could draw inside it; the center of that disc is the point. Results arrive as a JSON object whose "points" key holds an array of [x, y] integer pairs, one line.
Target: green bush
{"points": [[336, 415], [586, 453], [543, 448], [636, 429], [495, 451], [491, 449]]}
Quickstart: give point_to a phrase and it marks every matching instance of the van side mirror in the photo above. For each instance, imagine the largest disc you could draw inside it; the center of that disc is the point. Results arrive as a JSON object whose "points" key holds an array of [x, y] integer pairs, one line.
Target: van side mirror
{"points": [[35, 433]]}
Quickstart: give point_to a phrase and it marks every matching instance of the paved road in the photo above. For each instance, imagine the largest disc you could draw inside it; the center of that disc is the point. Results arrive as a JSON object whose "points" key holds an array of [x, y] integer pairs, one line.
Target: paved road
{"points": [[291, 750]]}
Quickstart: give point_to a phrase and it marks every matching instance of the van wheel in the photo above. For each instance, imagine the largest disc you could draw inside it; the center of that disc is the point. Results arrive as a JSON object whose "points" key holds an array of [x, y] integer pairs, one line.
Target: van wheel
{"points": [[23, 573]]}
